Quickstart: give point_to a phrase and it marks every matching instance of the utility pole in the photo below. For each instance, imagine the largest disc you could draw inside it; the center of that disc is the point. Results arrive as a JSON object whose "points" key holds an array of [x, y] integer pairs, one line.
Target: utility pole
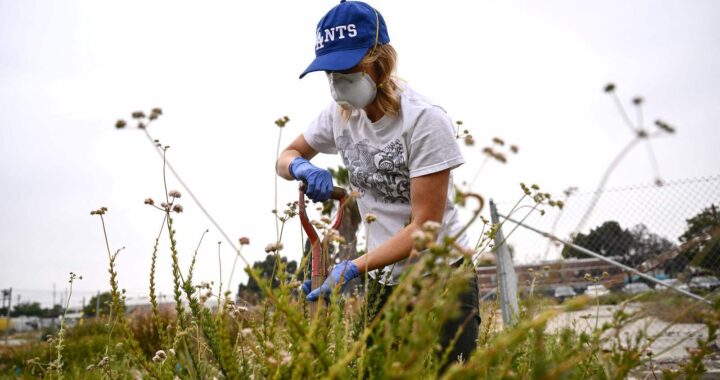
{"points": [[7, 293]]}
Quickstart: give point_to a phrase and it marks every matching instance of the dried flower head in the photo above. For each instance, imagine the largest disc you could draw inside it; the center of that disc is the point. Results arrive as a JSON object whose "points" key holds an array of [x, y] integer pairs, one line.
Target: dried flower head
{"points": [[369, 218], [610, 87], [514, 149], [469, 140], [178, 208], [418, 236], [274, 247], [120, 124], [244, 240], [431, 226], [155, 113], [664, 126], [138, 115], [103, 362], [498, 141], [160, 356], [174, 194], [282, 121], [149, 201], [637, 101]]}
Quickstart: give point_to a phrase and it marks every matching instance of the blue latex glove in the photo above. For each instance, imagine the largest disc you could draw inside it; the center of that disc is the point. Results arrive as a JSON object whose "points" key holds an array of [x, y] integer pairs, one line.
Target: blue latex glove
{"points": [[319, 181], [342, 273], [306, 286]]}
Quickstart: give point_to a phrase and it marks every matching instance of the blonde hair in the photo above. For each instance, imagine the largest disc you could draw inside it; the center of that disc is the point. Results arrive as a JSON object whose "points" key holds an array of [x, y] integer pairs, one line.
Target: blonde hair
{"points": [[383, 59]]}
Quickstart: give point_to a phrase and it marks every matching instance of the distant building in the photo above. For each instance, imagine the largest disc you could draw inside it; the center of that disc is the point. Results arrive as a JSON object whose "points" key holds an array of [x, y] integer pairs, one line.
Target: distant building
{"points": [[559, 272]]}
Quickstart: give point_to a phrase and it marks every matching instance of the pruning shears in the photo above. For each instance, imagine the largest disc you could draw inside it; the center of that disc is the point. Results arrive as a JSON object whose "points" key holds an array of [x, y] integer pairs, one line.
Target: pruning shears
{"points": [[319, 248]]}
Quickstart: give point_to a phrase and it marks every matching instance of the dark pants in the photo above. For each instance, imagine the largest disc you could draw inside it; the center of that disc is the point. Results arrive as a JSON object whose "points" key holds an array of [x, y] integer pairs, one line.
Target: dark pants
{"points": [[468, 320]]}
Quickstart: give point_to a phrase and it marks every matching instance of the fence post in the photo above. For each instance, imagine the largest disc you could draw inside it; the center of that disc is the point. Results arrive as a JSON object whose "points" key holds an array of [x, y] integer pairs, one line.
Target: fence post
{"points": [[507, 279]]}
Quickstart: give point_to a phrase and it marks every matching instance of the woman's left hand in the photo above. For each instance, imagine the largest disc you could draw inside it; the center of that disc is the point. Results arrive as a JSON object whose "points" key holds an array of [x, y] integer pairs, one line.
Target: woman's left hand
{"points": [[341, 273]]}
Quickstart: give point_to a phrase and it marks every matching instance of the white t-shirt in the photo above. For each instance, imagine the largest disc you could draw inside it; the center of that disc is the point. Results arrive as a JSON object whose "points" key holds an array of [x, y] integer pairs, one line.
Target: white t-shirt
{"points": [[381, 158]]}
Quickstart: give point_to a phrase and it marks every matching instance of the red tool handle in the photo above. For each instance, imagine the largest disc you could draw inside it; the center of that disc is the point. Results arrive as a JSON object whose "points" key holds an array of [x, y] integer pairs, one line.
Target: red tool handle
{"points": [[319, 258]]}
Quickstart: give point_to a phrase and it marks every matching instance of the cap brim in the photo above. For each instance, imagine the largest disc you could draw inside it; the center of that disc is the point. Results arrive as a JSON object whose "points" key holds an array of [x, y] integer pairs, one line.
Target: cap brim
{"points": [[336, 61]]}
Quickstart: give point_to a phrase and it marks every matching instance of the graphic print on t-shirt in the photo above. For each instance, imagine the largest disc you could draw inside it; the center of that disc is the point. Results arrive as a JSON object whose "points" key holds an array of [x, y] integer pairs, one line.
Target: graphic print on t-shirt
{"points": [[383, 173]]}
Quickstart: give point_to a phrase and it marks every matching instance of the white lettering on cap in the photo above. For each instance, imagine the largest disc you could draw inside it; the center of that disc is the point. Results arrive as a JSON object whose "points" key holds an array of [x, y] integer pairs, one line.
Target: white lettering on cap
{"points": [[329, 35]]}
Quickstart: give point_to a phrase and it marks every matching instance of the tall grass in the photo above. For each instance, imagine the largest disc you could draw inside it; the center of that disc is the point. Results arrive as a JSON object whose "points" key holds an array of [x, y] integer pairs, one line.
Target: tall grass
{"points": [[280, 338]]}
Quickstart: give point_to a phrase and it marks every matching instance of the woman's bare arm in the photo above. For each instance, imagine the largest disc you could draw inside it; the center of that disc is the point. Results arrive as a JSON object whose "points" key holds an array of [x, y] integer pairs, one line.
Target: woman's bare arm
{"points": [[299, 147], [428, 197]]}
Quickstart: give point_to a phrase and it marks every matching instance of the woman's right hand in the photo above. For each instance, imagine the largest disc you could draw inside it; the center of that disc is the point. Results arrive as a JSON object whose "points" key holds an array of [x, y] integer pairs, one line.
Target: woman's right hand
{"points": [[319, 181]]}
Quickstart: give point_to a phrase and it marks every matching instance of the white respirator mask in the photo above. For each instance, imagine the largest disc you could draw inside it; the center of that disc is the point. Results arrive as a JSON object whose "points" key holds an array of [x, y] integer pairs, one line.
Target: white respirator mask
{"points": [[352, 91]]}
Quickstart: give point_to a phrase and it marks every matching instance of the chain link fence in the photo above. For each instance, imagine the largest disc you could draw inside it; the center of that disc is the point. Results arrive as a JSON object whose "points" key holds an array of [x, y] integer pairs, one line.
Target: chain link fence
{"points": [[633, 240]]}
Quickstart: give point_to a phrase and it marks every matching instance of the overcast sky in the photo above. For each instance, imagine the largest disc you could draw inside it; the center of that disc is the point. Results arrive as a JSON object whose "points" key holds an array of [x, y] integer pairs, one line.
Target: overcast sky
{"points": [[531, 73]]}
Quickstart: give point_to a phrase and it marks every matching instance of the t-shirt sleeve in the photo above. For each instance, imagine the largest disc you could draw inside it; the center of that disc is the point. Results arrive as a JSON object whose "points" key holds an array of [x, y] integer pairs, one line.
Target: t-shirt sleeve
{"points": [[319, 134], [433, 146]]}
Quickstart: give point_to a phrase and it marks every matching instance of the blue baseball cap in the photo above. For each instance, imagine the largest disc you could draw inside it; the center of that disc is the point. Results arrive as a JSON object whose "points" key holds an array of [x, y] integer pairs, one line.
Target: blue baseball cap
{"points": [[344, 36]]}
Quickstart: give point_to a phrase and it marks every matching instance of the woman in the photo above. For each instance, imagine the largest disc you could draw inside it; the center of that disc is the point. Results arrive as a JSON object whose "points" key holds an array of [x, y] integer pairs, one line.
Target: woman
{"points": [[398, 147]]}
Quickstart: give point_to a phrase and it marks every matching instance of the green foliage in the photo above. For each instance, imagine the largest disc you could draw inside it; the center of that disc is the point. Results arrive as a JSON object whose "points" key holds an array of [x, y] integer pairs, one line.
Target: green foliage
{"points": [[105, 302], [630, 246], [706, 255], [278, 337], [32, 309], [265, 269]]}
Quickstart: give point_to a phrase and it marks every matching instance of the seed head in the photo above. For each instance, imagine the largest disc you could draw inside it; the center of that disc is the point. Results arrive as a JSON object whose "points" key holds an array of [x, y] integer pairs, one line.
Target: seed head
{"points": [[514, 149], [459, 122], [282, 121], [155, 113], [637, 101], [244, 240], [174, 194], [149, 201], [610, 87], [103, 362], [178, 208], [120, 124], [431, 226], [138, 115], [274, 247], [160, 356], [469, 140], [418, 236], [664, 126]]}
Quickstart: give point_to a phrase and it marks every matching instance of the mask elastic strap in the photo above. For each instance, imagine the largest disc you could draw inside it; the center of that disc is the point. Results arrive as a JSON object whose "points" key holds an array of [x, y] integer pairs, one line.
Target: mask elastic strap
{"points": [[377, 30]]}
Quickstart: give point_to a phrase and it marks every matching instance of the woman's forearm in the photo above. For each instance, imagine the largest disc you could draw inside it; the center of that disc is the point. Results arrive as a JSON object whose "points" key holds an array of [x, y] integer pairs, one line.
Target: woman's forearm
{"points": [[391, 251], [282, 166]]}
